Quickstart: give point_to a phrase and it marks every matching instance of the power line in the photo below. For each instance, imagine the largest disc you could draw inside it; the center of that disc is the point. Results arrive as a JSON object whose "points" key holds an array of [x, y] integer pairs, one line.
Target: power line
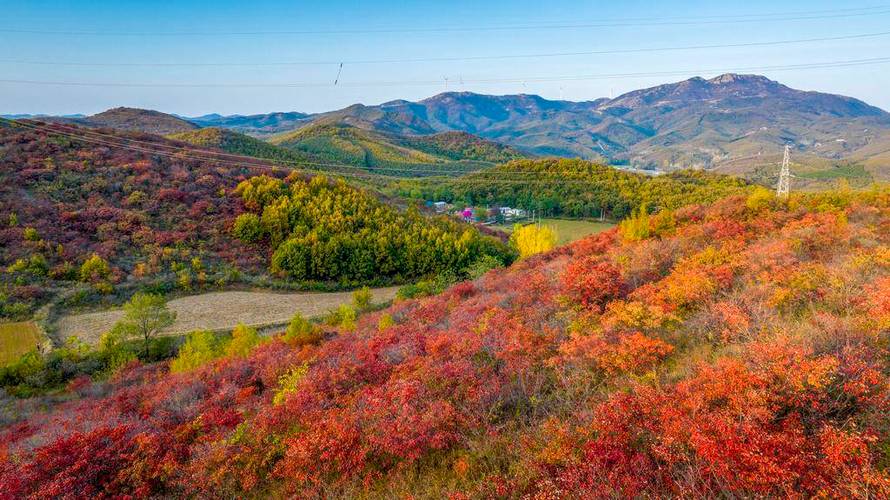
{"points": [[448, 59], [626, 22], [481, 81]]}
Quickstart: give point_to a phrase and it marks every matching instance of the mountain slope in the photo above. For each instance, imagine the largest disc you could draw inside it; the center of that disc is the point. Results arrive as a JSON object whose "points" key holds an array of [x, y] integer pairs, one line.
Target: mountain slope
{"points": [[236, 143], [700, 122], [738, 351], [392, 154], [693, 123], [133, 120], [166, 221], [255, 125], [577, 188]]}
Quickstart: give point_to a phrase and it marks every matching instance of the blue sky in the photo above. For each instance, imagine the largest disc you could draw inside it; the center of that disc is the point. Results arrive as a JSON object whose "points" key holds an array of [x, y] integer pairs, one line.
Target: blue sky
{"points": [[867, 82]]}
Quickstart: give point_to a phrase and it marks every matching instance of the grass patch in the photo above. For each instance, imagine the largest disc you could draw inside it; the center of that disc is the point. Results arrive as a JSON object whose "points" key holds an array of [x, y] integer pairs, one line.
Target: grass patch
{"points": [[17, 339], [844, 171]]}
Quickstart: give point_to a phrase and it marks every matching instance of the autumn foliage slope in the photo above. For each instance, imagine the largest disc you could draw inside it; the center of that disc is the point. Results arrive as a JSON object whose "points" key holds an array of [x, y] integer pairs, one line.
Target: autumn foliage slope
{"points": [[738, 350]]}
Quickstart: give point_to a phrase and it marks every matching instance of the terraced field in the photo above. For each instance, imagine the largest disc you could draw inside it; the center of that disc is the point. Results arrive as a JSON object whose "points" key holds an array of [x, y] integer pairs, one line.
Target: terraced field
{"points": [[222, 310]]}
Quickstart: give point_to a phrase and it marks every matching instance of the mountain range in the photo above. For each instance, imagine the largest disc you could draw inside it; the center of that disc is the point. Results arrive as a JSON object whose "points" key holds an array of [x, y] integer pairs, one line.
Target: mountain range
{"points": [[692, 123], [733, 122]]}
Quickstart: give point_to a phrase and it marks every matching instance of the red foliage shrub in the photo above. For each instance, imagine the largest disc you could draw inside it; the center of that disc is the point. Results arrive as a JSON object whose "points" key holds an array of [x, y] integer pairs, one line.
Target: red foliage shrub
{"points": [[593, 282], [692, 377]]}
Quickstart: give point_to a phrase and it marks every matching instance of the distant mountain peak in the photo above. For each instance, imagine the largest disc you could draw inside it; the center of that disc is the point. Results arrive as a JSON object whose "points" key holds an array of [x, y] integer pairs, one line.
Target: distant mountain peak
{"points": [[140, 120], [732, 78]]}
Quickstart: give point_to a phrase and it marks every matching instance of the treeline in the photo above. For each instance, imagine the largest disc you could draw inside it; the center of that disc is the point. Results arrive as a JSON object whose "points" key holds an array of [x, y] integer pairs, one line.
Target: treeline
{"points": [[575, 188], [329, 231]]}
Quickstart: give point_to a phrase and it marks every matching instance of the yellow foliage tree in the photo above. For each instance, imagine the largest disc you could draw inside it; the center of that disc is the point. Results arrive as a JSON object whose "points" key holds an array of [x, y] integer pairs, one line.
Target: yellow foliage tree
{"points": [[636, 227], [300, 331], [244, 338], [200, 348], [533, 239]]}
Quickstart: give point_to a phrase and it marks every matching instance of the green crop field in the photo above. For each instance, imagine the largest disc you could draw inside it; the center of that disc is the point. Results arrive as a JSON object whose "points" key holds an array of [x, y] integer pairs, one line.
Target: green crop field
{"points": [[568, 230], [17, 339]]}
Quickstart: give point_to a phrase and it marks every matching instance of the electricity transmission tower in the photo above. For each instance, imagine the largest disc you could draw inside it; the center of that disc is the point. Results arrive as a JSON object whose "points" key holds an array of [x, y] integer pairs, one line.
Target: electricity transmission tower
{"points": [[784, 186]]}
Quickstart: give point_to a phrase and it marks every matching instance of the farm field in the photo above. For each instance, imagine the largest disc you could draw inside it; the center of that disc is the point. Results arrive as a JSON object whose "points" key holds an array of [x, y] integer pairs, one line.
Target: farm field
{"points": [[567, 230], [222, 310], [17, 339]]}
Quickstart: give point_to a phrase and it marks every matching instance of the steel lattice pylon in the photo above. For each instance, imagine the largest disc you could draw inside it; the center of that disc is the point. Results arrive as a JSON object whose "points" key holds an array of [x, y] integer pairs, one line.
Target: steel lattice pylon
{"points": [[784, 186]]}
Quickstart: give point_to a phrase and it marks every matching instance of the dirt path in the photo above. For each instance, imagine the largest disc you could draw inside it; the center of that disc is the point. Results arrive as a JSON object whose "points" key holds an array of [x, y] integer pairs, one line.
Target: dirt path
{"points": [[222, 310]]}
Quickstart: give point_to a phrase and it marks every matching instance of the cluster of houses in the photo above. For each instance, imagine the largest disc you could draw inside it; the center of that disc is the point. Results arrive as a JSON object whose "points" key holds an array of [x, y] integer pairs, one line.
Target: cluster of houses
{"points": [[489, 215]]}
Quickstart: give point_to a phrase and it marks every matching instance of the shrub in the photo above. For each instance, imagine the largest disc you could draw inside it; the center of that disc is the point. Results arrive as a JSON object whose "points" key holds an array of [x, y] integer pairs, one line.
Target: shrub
{"points": [[113, 351], [385, 322], [361, 299], [247, 228], [244, 339], [200, 348], [344, 317], [635, 227], [94, 269], [300, 331], [287, 383], [482, 265]]}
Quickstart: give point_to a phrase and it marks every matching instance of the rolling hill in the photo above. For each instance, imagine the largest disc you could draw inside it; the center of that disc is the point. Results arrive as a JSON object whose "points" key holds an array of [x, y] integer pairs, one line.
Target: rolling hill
{"points": [[445, 153], [131, 120], [101, 219], [233, 142]]}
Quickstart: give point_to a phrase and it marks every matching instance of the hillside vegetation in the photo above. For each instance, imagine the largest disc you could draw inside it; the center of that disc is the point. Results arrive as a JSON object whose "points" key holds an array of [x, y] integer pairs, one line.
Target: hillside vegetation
{"points": [[100, 221], [576, 188], [323, 231], [731, 350], [240, 144], [133, 120], [394, 155]]}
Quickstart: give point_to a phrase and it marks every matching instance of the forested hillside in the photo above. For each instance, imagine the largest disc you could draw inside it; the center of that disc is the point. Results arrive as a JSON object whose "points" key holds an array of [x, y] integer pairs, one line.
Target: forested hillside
{"points": [[132, 120], [731, 350], [323, 231], [391, 154], [240, 144], [129, 211], [576, 188]]}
